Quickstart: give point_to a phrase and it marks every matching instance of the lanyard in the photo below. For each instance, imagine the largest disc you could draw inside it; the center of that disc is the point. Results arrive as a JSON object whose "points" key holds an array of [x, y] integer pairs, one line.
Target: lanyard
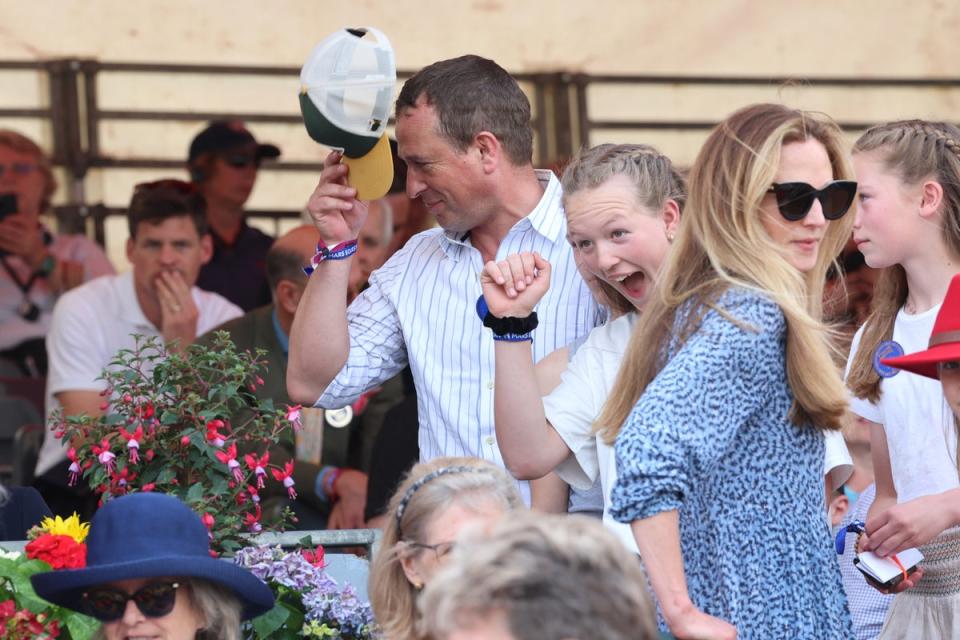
{"points": [[26, 309]]}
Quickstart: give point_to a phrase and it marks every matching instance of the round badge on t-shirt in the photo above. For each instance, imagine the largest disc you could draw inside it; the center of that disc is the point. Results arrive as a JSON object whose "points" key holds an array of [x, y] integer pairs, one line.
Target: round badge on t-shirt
{"points": [[886, 349]]}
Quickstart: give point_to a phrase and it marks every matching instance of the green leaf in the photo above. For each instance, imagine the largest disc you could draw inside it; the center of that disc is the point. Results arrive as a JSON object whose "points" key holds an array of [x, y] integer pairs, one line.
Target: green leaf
{"points": [[81, 627], [272, 620], [195, 493]]}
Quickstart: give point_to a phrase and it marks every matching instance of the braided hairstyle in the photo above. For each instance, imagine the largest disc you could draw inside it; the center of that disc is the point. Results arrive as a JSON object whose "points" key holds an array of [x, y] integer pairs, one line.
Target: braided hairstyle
{"points": [[653, 175], [914, 151]]}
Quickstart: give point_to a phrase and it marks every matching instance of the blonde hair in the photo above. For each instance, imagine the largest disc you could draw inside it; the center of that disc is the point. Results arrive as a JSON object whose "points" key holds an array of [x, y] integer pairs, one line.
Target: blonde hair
{"points": [[551, 577], [463, 481], [22, 144], [651, 173], [721, 243], [914, 151]]}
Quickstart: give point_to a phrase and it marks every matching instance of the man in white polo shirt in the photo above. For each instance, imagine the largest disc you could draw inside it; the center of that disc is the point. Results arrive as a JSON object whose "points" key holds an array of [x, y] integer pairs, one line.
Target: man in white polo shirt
{"points": [[168, 244]]}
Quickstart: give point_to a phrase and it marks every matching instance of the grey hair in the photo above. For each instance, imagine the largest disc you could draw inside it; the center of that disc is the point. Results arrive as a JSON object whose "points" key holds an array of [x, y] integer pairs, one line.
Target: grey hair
{"points": [[549, 577], [216, 606]]}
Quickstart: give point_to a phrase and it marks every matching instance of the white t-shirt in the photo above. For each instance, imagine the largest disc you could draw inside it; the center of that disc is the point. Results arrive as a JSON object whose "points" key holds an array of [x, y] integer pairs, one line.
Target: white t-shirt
{"points": [[576, 403], [90, 325], [921, 436]]}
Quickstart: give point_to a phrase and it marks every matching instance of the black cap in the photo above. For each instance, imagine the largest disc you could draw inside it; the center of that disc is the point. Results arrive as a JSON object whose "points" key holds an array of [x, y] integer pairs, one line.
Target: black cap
{"points": [[225, 135]]}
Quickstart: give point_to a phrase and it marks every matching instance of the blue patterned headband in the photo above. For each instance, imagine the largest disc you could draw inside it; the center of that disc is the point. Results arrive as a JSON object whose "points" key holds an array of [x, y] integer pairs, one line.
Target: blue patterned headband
{"points": [[442, 471]]}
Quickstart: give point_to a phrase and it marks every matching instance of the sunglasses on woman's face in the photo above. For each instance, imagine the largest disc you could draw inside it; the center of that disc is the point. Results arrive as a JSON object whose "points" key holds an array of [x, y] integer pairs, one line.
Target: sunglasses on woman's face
{"points": [[794, 199], [107, 604]]}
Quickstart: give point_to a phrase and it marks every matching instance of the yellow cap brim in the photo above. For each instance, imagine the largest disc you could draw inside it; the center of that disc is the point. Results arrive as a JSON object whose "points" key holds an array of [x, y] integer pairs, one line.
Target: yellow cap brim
{"points": [[372, 174]]}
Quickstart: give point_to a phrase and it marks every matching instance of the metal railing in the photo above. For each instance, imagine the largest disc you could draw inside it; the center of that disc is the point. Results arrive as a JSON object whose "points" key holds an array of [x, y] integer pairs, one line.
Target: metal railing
{"points": [[561, 102]]}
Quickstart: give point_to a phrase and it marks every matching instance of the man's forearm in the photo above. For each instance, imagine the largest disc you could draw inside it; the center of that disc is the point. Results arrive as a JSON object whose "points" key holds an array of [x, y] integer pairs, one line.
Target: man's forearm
{"points": [[319, 339]]}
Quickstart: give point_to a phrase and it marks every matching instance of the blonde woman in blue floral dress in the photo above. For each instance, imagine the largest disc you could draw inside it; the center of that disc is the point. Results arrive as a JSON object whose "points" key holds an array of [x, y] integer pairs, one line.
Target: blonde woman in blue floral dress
{"points": [[719, 432]]}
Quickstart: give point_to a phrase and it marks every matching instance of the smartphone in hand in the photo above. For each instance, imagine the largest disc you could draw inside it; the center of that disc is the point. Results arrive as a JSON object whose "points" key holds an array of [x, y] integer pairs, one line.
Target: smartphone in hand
{"points": [[8, 204]]}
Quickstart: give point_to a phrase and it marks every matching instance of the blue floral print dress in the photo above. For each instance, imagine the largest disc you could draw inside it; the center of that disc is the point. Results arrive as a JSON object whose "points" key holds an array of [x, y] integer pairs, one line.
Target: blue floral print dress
{"points": [[711, 438]]}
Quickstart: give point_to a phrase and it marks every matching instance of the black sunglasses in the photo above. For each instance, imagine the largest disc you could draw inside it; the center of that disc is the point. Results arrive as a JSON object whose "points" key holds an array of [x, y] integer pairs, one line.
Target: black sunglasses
{"points": [[154, 600], [241, 160], [794, 199]]}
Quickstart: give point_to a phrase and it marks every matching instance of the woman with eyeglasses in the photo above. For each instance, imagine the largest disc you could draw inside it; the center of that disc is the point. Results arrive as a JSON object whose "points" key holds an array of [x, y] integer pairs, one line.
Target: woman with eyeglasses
{"points": [[149, 574], [728, 386], [36, 264], [434, 503]]}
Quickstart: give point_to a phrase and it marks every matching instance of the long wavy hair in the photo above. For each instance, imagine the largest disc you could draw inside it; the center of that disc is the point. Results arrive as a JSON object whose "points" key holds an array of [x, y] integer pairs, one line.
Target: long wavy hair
{"points": [[721, 243]]}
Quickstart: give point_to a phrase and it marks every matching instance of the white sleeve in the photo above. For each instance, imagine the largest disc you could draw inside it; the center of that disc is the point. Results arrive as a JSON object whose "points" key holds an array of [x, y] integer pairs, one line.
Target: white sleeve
{"points": [[572, 409], [377, 348], [837, 461], [861, 407]]}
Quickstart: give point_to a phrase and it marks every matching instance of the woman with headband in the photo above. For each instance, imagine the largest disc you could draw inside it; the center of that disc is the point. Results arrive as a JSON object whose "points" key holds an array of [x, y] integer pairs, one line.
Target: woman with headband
{"points": [[433, 504]]}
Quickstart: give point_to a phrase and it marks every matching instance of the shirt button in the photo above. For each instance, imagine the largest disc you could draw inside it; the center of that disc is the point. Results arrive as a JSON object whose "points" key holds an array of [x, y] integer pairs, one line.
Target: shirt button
{"points": [[490, 440], [490, 385]]}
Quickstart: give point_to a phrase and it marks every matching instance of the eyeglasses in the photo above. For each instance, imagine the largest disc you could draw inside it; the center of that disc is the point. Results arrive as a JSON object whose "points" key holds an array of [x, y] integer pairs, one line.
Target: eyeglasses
{"points": [[17, 168], [241, 160], [154, 600], [440, 550], [167, 184], [794, 199]]}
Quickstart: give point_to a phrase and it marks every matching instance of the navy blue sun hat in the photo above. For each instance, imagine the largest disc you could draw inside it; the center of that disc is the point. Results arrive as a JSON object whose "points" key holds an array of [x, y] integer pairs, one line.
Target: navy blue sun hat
{"points": [[150, 535]]}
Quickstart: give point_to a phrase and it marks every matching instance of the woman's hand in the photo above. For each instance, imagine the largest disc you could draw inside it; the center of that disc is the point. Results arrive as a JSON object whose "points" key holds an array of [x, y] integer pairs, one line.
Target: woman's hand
{"points": [[693, 624], [514, 286]]}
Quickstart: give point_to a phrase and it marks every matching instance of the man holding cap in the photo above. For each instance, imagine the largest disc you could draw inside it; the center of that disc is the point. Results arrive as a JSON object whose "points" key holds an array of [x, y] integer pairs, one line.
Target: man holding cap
{"points": [[463, 128], [223, 162]]}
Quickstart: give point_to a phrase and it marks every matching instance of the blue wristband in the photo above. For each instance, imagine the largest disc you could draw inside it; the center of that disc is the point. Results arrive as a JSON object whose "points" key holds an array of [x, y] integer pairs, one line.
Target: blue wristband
{"points": [[513, 337], [340, 252]]}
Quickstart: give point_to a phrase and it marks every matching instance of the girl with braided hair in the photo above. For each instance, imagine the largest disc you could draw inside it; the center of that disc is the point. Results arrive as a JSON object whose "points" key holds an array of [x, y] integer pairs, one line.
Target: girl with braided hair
{"points": [[623, 205], [908, 224]]}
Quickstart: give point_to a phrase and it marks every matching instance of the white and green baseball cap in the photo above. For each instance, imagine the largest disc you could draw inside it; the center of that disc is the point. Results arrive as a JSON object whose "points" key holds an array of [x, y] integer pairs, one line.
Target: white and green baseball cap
{"points": [[346, 95]]}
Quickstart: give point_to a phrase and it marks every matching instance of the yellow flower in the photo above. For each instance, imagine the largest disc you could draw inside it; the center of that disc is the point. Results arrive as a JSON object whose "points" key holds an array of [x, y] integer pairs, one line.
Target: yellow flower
{"points": [[70, 527]]}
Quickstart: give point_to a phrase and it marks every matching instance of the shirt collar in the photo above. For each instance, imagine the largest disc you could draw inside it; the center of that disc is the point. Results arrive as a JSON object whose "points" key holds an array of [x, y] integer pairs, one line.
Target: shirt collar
{"points": [[543, 219]]}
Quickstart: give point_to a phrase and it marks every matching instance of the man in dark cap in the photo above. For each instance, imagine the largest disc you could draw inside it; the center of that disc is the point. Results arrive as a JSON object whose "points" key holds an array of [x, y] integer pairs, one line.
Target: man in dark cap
{"points": [[223, 163]]}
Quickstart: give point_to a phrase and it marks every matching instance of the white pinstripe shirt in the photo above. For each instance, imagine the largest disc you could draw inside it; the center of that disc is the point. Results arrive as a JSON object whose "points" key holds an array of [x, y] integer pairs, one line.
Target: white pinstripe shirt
{"points": [[420, 309]]}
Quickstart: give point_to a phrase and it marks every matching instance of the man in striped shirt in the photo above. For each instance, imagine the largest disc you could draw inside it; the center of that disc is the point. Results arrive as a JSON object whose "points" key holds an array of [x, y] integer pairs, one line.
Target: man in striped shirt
{"points": [[463, 128]]}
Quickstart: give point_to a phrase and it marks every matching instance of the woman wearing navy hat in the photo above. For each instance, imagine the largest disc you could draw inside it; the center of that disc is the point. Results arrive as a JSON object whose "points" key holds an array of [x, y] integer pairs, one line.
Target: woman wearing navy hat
{"points": [[150, 574]]}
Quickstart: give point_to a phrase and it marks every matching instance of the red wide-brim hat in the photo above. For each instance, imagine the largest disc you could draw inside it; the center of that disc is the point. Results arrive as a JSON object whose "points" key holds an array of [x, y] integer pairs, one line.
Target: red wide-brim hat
{"points": [[944, 345]]}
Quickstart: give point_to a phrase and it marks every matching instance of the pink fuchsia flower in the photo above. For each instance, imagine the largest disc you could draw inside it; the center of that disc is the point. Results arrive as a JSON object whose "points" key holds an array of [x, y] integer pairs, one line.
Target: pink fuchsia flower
{"points": [[258, 466], [293, 416], [229, 458], [74, 467], [252, 520], [207, 520], [254, 495], [286, 478], [104, 455], [214, 436], [133, 443]]}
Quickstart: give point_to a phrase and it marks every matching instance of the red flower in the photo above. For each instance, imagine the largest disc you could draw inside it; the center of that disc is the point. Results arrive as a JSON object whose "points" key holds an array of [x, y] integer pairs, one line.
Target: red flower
{"points": [[59, 551], [133, 442], [285, 477], [229, 458], [314, 557], [258, 466]]}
